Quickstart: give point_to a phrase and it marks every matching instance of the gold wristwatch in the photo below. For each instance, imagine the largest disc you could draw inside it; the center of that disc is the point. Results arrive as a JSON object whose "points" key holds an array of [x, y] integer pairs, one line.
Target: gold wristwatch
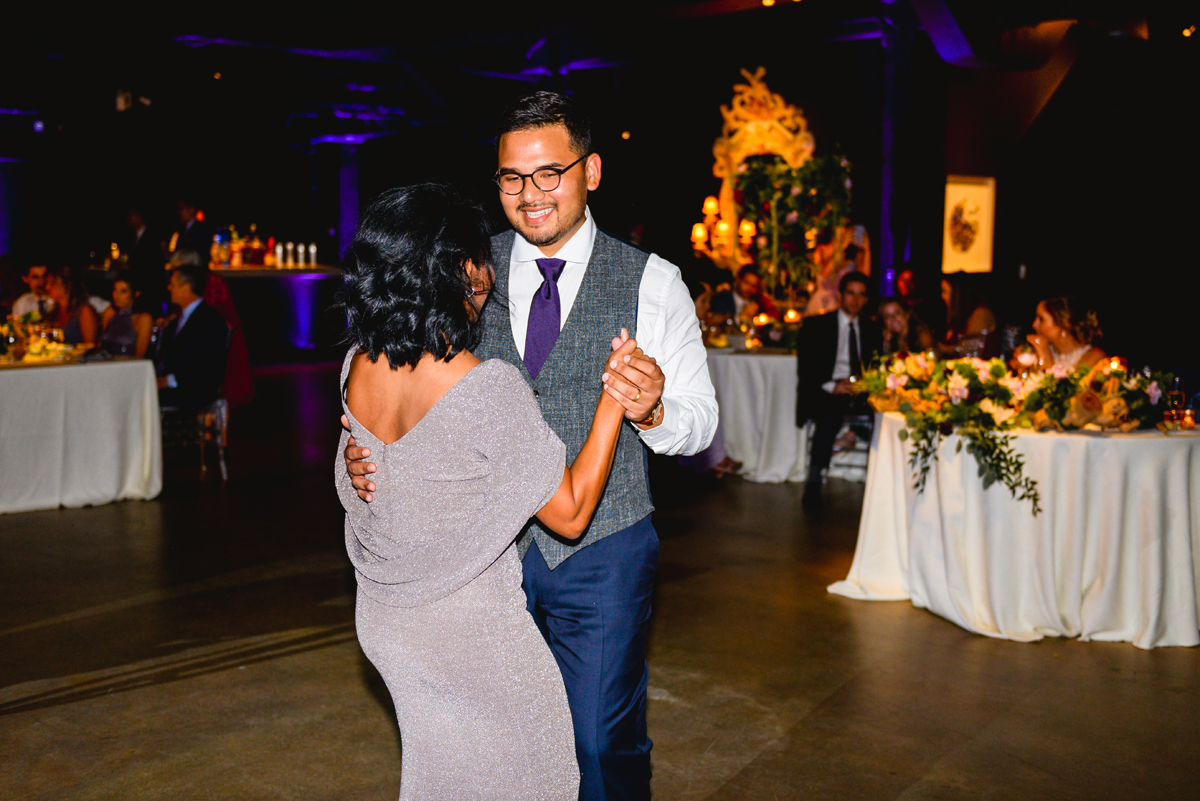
{"points": [[655, 417]]}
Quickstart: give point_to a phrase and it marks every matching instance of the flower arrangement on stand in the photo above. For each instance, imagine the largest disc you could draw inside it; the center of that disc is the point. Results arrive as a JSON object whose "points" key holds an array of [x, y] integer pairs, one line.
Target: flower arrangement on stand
{"points": [[790, 207], [981, 401]]}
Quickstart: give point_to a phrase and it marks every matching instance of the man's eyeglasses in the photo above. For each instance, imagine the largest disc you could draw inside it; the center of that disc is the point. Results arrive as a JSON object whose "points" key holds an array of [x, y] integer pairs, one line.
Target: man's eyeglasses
{"points": [[545, 179]]}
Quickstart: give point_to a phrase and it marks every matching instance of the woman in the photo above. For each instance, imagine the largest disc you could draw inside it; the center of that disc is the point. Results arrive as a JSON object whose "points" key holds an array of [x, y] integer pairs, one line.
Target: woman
{"points": [[72, 312], [464, 459], [903, 331], [971, 328], [126, 329], [1065, 334]]}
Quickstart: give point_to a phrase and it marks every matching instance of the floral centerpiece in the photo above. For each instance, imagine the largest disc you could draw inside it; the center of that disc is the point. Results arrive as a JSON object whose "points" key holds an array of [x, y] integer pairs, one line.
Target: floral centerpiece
{"points": [[982, 401], [790, 207]]}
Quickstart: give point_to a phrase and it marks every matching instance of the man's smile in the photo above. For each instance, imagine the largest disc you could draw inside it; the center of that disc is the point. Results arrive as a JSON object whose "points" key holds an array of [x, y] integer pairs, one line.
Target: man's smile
{"points": [[537, 215]]}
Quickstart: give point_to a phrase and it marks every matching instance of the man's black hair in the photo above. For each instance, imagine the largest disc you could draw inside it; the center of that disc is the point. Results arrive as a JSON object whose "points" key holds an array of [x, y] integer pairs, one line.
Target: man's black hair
{"points": [[542, 109]]}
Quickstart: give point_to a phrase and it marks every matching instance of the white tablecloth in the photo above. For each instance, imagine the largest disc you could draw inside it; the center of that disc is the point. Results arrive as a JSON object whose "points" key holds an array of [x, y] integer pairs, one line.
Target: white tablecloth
{"points": [[78, 435], [757, 397], [1114, 555]]}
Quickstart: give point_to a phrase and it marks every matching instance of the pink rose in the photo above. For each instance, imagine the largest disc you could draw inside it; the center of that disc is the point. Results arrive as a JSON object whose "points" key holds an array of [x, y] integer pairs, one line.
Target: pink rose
{"points": [[958, 388], [1059, 372], [894, 382], [1154, 392], [792, 216]]}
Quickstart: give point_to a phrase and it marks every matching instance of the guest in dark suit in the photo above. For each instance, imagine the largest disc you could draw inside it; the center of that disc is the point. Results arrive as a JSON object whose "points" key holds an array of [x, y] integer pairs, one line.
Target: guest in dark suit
{"points": [[193, 233], [832, 351], [191, 355], [745, 299], [145, 250]]}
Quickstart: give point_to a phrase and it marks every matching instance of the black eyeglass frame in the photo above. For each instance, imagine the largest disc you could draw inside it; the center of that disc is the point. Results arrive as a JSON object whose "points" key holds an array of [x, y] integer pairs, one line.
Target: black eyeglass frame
{"points": [[557, 170]]}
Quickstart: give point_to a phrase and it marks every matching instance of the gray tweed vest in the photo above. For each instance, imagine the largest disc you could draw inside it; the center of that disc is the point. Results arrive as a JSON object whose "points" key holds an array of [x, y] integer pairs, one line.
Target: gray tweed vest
{"points": [[568, 386]]}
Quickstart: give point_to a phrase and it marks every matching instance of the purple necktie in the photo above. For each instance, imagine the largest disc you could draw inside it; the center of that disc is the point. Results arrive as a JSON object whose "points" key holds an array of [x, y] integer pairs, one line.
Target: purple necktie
{"points": [[545, 317]]}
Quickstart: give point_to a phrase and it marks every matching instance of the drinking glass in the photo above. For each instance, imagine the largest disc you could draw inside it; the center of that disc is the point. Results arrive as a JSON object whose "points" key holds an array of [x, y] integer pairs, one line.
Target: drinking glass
{"points": [[1175, 397]]}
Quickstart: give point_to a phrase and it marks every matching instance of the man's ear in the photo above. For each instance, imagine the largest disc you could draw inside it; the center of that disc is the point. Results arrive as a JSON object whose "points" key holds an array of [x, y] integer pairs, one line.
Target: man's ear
{"points": [[592, 166]]}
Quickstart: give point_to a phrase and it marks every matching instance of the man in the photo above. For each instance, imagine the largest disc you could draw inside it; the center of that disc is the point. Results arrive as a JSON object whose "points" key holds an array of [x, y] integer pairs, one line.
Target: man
{"points": [[192, 233], [35, 299], [146, 260], [191, 355], [570, 288], [746, 300], [833, 350]]}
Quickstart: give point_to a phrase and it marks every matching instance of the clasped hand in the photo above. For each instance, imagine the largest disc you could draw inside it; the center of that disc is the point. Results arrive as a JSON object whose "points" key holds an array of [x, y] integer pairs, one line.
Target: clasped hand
{"points": [[630, 376]]}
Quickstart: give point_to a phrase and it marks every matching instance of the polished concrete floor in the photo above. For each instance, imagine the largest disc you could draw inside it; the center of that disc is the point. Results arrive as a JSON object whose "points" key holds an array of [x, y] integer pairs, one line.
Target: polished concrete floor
{"points": [[201, 645]]}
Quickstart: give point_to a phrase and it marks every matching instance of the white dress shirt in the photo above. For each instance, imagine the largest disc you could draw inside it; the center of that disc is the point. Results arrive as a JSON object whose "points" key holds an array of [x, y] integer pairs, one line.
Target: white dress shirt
{"points": [[841, 365], [667, 329], [25, 304]]}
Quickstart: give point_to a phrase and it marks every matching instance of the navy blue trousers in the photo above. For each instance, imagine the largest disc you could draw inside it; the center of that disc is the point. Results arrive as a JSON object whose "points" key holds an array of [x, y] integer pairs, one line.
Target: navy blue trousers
{"points": [[594, 611]]}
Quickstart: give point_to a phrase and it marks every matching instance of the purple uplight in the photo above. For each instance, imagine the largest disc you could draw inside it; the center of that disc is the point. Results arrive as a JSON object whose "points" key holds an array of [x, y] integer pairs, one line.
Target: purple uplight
{"points": [[536, 46], [345, 139]]}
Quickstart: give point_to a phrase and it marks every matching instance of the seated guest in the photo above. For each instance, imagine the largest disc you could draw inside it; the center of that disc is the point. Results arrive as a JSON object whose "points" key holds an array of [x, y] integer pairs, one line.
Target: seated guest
{"points": [[35, 299], [931, 311], [903, 331], [1065, 334], [70, 308], [745, 300], [832, 351], [126, 327], [971, 327], [191, 356]]}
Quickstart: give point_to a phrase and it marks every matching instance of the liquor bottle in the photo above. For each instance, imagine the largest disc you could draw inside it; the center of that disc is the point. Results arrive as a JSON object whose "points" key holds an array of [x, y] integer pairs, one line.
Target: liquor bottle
{"points": [[254, 251], [236, 245]]}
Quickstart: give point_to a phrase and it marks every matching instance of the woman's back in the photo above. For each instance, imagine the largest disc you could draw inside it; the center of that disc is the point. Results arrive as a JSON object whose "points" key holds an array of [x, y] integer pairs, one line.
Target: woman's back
{"points": [[454, 489], [440, 611]]}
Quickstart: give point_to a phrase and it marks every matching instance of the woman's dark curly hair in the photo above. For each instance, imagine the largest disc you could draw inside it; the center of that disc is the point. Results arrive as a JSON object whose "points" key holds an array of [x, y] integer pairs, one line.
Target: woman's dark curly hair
{"points": [[1075, 317], [407, 290]]}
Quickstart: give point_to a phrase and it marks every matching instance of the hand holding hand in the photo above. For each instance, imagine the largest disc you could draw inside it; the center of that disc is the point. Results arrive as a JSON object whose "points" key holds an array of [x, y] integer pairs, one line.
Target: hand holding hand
{"points": [[844, 387], [634, 379], [357, 468]]}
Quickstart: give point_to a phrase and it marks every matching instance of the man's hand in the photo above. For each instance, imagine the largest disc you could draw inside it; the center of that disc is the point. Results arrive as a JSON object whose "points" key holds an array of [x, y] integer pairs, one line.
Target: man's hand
{"points": [[637, 381], [844, 387], [357, 468], [749, 311]]}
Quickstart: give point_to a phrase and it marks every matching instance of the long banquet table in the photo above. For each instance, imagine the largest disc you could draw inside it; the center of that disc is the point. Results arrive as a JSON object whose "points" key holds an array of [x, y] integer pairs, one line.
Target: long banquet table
{"points": [[1113, 556], [78, 435]]}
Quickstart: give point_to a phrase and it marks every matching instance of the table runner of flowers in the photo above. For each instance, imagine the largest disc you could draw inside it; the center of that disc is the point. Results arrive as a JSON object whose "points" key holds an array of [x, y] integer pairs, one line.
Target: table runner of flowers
{"points": [[981, 400]]}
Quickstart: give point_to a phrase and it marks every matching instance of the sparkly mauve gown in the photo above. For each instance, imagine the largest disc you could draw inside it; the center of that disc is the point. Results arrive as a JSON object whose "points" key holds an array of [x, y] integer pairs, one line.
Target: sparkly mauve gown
{"points": [[441, 614]]}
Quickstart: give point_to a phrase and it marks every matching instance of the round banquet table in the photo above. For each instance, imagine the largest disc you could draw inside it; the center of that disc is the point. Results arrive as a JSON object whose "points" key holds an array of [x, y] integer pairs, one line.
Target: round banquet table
{"points": [[1114, 555], [756, 393], [78, 434]]}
